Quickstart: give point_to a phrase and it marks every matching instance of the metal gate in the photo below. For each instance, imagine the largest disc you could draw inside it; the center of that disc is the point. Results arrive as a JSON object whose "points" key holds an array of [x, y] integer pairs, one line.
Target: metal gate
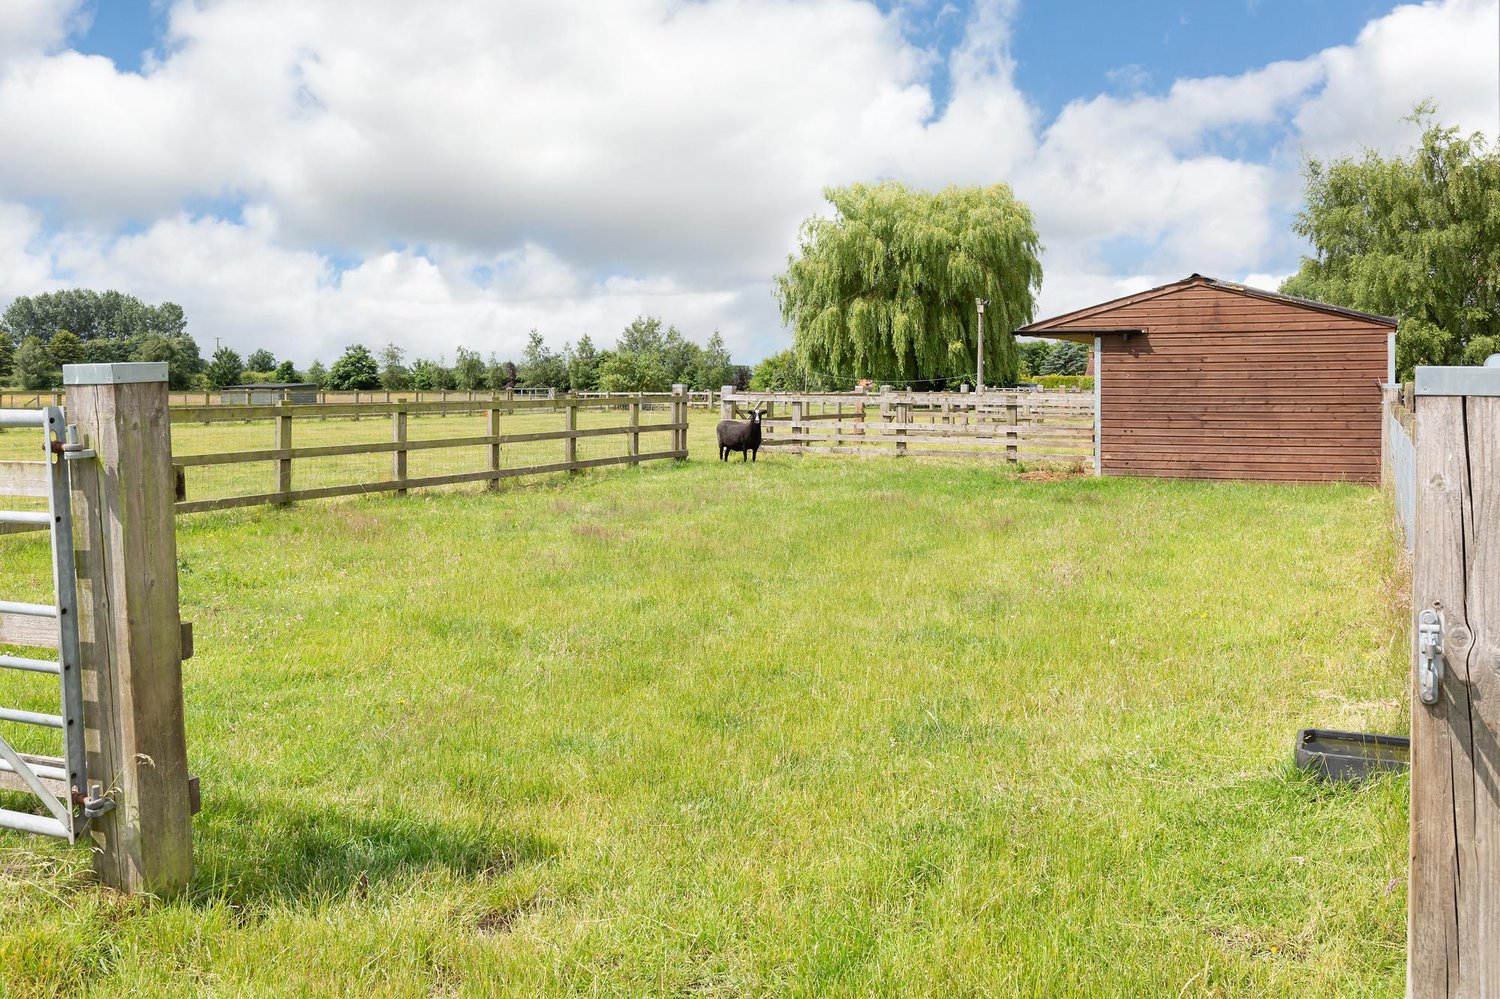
{"points": [[60, 782]]}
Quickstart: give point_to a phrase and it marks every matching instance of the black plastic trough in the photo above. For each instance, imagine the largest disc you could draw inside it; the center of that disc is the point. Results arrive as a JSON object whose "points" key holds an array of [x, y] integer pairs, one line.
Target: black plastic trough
{"points": [[1350, 756]]}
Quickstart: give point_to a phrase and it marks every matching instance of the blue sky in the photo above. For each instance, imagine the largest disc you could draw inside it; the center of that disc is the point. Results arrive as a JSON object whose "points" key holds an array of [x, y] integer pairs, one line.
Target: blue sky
{"points": [[302, 173]]}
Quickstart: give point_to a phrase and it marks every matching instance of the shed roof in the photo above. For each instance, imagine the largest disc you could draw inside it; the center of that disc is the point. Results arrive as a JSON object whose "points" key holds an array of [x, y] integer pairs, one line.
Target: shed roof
{"points": [[1084, 319], [275, 386]]}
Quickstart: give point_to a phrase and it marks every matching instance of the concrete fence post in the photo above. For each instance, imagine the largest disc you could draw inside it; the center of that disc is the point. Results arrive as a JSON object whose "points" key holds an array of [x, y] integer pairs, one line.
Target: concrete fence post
{"points": [[129, 627]]}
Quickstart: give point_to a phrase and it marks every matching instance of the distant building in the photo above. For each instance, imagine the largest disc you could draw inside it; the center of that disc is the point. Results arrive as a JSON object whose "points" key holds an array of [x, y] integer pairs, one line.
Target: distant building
{"points": [[268, 393]]}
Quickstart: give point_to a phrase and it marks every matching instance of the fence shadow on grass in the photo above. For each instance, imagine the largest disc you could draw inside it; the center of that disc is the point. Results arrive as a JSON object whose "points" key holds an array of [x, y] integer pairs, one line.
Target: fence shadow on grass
{"points": [[254, 853]]}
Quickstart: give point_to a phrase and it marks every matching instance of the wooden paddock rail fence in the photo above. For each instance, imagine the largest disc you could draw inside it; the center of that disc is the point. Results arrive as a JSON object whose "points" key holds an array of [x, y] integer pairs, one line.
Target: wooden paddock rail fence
{"points": [[285, 452], [1008, 426], [36, 400]]}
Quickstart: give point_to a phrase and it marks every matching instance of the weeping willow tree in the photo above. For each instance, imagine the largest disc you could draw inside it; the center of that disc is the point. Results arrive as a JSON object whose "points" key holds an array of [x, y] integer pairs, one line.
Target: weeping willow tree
{"points": [[885, 289]]}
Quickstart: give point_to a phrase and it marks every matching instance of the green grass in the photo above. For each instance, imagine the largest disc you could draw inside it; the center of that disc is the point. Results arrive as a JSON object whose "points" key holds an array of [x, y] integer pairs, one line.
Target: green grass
{"points": [[816, 727]]}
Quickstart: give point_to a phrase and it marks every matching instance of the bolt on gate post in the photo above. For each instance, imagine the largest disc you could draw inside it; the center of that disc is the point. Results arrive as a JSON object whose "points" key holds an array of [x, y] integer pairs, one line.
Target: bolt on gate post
{"points": [[129, 629], [1453, 908]]}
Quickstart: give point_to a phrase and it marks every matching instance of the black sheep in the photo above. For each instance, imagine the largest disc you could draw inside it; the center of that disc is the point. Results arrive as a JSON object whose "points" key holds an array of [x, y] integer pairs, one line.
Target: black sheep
{"points": [[738, 435]]}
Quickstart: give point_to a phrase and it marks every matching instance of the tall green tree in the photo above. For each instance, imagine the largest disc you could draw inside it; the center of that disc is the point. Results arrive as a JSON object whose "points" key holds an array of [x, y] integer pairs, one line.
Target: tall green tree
{"points": [[226, 368], [7, 358], [583, 366], [633, 371], [260, 360], [780, 372], [286, 372], [354, 370], [1034, 355], [1414, 236], [35, 369], [1066, 357], [317, 374], [184, 362], [469, 371], [886, 287], [65, 348], [542, 367], [394, 374], [715, 369]]}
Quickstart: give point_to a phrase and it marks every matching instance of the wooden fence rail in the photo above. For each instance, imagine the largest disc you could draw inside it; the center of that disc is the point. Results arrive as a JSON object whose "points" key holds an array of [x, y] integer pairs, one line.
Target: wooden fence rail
{"points": [[287, 450], [1010, 426], [285, 453]]}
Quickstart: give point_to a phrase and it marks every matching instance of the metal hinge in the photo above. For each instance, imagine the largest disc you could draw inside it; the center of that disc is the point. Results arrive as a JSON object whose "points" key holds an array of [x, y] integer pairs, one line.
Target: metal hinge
{"points": [[1430, 652], [97, 804], [73, 448]]}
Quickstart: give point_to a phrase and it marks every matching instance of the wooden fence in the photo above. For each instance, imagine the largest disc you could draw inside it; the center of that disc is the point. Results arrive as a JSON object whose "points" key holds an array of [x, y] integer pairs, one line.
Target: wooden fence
{"points": [[36, 400], [1009, 426], [620, 414]]}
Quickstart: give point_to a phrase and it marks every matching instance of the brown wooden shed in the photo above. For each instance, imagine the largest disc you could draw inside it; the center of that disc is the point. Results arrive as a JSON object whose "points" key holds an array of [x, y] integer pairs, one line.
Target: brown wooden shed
{"points": [[1207, 379]]}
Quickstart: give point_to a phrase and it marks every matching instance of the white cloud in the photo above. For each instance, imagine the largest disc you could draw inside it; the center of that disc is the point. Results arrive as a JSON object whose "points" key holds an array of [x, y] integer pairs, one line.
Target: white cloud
{"points": [[568, 164]]}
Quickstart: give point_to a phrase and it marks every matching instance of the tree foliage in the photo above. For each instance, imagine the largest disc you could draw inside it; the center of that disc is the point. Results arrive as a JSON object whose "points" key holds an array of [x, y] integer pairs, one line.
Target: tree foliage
{"points": [[395, 376], [184, 362], [1416, 237], [469, 370], [225, 368], [34, 367], [886, 288], [1065, 357], [90, 315], [354, 370], [542, 367], [583, 366], [260, 360], [285, 372]]}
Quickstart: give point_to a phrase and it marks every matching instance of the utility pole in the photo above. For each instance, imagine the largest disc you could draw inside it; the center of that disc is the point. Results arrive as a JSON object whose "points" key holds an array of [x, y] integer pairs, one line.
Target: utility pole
{"points": [[980, 303]]}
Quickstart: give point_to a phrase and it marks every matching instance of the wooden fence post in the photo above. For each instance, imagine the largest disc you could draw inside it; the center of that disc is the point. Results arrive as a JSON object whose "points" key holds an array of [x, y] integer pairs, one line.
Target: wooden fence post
{"points": [[1012, 420], [492, 429], [284, 465], [398, 457], [1388, 396], [799, 426], [903, 417], [570, 423], [633, 439], [1453, 907], [679, 415], [726, 405], [129, 629]]}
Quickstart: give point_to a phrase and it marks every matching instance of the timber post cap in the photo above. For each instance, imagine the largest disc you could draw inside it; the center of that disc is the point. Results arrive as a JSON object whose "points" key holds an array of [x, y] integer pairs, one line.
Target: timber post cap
{"points": [[119, 373]]}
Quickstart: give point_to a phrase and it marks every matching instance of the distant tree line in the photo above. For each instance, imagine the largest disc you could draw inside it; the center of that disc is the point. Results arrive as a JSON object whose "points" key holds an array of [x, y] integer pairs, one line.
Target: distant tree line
{"points": [[41, 333]]}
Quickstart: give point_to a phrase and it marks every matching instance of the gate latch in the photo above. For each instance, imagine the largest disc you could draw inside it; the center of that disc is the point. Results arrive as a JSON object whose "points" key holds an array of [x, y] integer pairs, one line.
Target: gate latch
{"points": [[1430, 652]]}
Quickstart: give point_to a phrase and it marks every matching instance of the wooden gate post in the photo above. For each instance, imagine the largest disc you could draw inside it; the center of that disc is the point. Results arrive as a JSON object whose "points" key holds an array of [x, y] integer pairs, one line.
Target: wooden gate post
{"points": [[726, 407], [128, 625], [1453, 909]]}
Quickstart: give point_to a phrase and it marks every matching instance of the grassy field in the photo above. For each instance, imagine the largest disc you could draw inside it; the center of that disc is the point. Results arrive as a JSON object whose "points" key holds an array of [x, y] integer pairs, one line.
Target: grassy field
{"points": [[816, 727]]}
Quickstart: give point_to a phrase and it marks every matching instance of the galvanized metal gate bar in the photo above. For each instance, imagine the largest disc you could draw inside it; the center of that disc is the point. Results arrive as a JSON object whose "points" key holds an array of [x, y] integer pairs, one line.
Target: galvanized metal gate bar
{"points": [[70, 771]]}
